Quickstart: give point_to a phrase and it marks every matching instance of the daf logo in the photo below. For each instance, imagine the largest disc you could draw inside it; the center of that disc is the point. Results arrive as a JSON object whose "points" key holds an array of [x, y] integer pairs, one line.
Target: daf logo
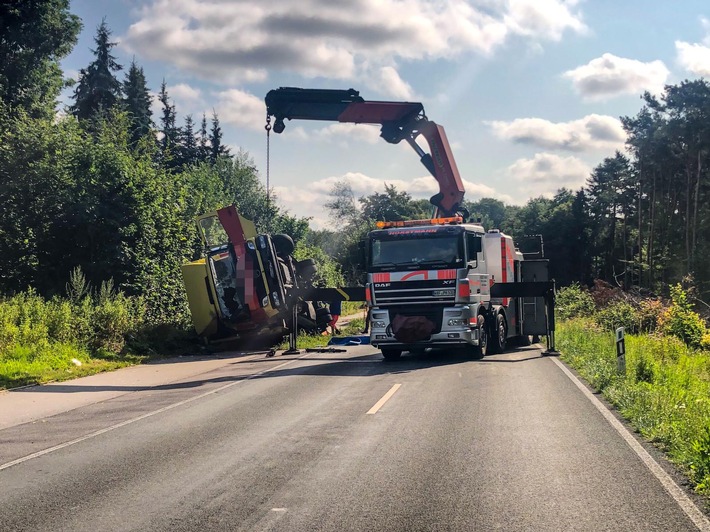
{"points": [[382, 285]]}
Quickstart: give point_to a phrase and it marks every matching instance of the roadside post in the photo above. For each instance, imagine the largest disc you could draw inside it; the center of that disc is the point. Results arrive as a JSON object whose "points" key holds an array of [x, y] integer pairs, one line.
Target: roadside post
{"points": [[620, 352]]}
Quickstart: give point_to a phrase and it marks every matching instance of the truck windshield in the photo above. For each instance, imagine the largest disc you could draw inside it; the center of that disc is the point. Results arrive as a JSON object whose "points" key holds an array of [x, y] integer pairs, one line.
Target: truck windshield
{"points": [[434, 251], [213, 234]]}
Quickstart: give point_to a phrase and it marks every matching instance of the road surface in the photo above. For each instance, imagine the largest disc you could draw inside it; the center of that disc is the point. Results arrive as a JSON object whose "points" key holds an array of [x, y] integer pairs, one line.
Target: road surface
{"points": [[329, 441]]}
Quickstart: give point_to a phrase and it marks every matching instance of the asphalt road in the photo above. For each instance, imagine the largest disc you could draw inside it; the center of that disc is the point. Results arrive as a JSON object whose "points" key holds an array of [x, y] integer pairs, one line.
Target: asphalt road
{"points": [[335, 441]]}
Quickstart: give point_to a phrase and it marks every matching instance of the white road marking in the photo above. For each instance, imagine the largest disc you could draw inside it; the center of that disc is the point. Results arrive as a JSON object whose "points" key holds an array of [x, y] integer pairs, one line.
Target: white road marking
{"points": [[384, 399], [278, 509], [687, 505], [149, 414]]}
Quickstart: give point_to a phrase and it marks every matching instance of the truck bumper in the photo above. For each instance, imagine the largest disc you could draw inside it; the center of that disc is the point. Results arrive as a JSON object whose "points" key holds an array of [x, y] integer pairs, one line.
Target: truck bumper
{"points": [[455, 330]]}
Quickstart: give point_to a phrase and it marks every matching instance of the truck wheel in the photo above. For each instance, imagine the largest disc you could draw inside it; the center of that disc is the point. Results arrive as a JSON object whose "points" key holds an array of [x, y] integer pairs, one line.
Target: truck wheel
{"points": [[390, 353], [499, 334], [480, 350]]}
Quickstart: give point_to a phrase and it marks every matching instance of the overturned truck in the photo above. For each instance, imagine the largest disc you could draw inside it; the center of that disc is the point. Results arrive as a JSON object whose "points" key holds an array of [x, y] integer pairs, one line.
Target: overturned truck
{"points": [[248, 286]]}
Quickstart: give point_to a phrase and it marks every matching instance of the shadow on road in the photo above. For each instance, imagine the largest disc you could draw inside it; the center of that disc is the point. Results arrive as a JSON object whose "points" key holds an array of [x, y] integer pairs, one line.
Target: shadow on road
{"points": [[367, 365]]}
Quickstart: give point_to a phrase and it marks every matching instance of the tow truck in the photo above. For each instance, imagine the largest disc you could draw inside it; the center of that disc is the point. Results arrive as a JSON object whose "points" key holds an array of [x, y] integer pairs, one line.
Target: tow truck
{"points": [[442, 282]]}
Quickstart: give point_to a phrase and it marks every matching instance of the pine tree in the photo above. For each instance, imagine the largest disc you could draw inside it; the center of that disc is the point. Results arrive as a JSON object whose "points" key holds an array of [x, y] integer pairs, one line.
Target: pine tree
{"points": [[169, 143], [217, 149], [137, 103], [189, 149], [98, 89], [203, 148]]}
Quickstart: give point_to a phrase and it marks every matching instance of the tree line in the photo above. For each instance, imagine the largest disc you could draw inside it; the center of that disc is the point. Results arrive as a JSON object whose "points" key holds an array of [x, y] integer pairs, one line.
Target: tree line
{"points": [[109, 189], [103, 187]]}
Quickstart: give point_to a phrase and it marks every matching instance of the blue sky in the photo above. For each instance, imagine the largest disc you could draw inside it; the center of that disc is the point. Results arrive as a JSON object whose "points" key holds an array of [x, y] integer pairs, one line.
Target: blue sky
{"points": [[529, 91]]}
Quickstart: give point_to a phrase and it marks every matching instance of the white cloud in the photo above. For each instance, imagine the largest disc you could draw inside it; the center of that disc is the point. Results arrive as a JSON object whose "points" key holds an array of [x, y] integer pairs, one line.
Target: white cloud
{"points": [[386, 80], [545, 173], [593, 132], [241, 109], [345, 133], [533, 18], [694, 58], [236, 42], [609, 76], [182, 93]]}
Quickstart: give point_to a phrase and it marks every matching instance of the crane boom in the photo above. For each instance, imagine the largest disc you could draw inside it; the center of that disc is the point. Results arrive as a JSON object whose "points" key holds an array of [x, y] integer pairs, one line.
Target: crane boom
{"points": [[398, 120]]}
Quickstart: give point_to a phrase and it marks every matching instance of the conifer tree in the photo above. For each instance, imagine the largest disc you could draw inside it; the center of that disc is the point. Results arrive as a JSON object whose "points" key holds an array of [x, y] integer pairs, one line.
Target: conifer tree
{"points": [[203, 148], [217, 149], [189, 149], [137, 102], [98, 89], [169, 143]]}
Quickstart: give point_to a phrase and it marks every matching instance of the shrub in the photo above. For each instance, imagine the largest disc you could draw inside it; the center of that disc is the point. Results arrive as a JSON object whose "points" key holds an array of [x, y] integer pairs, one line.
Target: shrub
{"points": [[617, 314], [573, 302], [648, 314], [681, 321], [603, 293]]}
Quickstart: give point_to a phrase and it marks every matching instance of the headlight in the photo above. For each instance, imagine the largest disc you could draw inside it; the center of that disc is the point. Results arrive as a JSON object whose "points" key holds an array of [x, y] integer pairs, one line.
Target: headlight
{"points": [[378, 325], [456, 321], [443, 293]]}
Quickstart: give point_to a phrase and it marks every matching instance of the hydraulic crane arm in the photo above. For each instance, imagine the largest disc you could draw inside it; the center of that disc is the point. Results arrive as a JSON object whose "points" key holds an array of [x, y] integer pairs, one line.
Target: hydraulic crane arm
{"points": [[399, 121]]}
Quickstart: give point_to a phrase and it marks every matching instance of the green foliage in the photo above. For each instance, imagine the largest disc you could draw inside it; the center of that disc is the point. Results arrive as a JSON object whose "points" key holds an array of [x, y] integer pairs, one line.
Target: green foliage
{"points": [[98, 90], [573, 302], [681, 321], [328, 273], [617, 314], [42, 339], [664, 393], [35, 37]]}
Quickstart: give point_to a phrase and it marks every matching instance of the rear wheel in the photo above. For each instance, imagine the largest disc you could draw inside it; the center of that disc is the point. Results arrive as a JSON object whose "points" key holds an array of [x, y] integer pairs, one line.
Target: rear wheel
{"points": [[499, 334], [390, 353]]}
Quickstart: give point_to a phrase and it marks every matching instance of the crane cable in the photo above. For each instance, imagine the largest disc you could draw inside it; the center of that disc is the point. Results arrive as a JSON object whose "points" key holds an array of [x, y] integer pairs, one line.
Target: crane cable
{"points": [[267, 127]]}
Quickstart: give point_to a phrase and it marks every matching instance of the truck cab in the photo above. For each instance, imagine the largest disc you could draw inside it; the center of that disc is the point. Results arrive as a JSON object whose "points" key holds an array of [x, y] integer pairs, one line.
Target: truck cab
{"points": [[429, 286]]}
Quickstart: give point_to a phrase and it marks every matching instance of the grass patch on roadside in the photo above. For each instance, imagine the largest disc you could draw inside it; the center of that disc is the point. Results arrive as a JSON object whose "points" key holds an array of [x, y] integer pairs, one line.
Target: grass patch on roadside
{"points": [[665, 393]]}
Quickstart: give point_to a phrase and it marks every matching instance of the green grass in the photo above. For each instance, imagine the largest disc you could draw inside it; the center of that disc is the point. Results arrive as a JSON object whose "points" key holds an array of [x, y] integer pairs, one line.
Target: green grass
{"points": [[664, 393]]}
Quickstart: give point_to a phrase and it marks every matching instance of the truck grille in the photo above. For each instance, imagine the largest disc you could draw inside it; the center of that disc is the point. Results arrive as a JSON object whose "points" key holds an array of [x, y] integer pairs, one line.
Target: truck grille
{"points": [[414, 292]]}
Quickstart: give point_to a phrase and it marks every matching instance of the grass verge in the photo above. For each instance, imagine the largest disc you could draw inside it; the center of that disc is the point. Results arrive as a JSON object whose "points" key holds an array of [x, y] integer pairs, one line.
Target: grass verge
{"points": [[664, 394]]}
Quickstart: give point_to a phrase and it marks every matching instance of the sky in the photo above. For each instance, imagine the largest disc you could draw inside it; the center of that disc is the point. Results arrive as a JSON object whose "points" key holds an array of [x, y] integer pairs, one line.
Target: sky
{"points": [[530, 92]]}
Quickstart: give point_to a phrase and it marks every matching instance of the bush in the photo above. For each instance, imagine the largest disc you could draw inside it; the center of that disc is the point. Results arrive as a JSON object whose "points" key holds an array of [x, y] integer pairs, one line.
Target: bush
{"points": [[617, 314], [648, 314], [573, 302], [681, 321]]}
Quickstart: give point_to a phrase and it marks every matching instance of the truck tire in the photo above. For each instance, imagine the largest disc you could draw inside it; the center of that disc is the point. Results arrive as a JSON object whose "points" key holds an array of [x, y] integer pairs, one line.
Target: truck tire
{"points": [[499, 333], [479, 351], [283, 243], [391, 353]]}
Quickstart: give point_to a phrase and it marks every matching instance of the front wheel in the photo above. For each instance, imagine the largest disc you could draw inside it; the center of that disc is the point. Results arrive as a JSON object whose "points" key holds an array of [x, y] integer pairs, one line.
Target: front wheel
{"points": [[390, 353], [480, 350]]}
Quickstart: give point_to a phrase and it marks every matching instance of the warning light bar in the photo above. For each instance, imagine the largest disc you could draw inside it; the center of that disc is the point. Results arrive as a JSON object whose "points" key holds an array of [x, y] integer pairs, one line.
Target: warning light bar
{"points": [[429, 221]]}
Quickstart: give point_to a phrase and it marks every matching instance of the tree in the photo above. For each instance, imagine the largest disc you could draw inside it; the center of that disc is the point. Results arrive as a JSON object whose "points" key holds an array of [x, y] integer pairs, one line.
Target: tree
{"points": [[98, 89], [34, 37], [137, 101], [170, 140], [203, 148], [217, 149], [390, 206], [189, 149]]}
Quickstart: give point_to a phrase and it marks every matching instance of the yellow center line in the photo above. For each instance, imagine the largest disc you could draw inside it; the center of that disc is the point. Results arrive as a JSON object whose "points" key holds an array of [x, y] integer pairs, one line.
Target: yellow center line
{"points": [[384, 399]]}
